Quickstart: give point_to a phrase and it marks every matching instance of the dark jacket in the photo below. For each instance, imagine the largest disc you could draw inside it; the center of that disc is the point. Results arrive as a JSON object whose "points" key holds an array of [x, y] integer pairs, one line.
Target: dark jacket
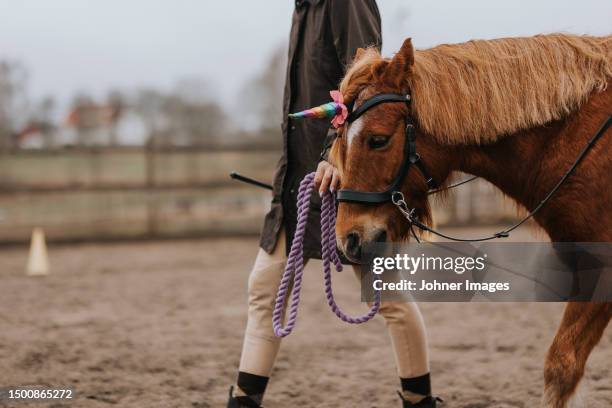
{"points": [[325, 35]]}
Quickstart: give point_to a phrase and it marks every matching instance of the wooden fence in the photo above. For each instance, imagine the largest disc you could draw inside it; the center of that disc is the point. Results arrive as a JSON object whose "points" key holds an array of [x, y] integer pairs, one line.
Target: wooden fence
{"points": [[105, 194], [134, 193]]}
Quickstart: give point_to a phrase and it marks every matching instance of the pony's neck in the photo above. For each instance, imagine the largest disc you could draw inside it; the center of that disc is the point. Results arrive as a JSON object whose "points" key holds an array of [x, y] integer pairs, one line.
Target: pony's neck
{"points": [[527, 165], [523, 166], [508, 164]]}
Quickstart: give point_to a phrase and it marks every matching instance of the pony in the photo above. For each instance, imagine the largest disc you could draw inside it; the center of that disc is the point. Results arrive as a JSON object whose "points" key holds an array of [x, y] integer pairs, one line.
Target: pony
{"points": [[514, 111]]}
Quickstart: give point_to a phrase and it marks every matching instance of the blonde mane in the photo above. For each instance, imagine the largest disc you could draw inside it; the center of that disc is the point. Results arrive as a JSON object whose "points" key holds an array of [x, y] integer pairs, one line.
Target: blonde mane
{"points": [[479, 91]]}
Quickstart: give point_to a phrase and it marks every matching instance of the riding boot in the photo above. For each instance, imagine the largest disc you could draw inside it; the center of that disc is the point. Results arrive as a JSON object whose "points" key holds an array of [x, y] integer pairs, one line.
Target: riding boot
{"points": [[241, 402], [427, 402]]}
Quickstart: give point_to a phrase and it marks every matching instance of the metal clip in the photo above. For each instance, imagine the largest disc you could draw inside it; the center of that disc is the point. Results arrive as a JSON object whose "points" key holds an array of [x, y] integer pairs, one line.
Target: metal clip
{"points": [[397, 198]]}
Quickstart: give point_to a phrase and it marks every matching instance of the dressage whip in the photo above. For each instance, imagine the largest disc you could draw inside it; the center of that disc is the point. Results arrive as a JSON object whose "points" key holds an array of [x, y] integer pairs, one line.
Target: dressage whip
{"points": [[249, 180], [294, 267]]}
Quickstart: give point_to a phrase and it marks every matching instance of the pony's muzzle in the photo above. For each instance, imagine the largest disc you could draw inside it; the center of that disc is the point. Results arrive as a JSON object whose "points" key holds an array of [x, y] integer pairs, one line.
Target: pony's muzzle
{"points": [[353, 246], [354, 242]]}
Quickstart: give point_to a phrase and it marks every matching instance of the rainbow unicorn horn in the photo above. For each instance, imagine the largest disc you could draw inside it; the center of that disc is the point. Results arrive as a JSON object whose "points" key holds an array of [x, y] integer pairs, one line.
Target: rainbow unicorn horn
{"points": [[336, 110], [327, 110]]}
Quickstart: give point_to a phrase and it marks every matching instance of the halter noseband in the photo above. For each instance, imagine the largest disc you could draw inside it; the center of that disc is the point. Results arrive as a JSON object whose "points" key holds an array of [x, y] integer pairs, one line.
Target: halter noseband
{"points": [[410, 156]]}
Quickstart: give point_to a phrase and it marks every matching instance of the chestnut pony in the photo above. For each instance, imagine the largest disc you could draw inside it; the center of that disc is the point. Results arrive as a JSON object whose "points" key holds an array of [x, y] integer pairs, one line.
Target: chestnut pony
{"points": [[516, 112]]}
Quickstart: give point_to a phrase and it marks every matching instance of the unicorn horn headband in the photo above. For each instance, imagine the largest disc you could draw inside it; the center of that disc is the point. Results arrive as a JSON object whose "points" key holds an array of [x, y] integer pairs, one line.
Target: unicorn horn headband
{"points": [[336, 110]]}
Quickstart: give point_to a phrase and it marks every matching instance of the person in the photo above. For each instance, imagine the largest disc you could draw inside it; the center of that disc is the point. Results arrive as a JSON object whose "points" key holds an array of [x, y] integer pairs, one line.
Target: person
{"points": [[325, 35]]}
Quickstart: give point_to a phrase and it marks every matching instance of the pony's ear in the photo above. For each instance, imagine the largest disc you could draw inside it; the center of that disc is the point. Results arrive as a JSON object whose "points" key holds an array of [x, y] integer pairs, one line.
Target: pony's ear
{"points": [[400, 66], [358, 54]]}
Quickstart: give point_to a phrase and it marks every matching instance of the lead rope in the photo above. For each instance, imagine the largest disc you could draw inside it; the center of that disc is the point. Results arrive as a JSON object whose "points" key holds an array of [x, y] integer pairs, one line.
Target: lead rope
{"points": [[295, 263]]}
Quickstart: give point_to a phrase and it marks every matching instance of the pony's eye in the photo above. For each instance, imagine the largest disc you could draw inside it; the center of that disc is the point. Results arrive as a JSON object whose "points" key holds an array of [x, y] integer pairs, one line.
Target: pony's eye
{"points": [[377, 142]]}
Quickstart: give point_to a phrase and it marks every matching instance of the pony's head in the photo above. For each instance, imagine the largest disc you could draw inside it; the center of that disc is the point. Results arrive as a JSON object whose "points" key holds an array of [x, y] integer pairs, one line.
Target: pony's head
{"points": [[370, 151]]}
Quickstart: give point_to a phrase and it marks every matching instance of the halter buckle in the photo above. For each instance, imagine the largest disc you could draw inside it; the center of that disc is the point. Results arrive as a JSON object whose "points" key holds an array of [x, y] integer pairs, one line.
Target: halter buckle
{"points": [[397, 198]]}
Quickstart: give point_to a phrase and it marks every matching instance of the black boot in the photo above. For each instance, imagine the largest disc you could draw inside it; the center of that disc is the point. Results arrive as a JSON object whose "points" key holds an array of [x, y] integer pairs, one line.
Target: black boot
{"points": [[427, 402], [241, 402]]}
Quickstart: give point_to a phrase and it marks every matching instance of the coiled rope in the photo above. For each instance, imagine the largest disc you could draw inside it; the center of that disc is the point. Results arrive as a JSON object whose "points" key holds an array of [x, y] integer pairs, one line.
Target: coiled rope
{"points": [[294, 267]]}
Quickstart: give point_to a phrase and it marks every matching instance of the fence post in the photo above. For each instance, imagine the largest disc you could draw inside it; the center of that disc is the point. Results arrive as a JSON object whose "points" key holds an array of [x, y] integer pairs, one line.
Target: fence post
{"points": [[152, 208]]}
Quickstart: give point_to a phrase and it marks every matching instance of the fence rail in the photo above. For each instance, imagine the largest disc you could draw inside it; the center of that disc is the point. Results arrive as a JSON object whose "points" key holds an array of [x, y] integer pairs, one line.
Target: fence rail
{"points": [[128, 193], [34, 188], [125, 193]]}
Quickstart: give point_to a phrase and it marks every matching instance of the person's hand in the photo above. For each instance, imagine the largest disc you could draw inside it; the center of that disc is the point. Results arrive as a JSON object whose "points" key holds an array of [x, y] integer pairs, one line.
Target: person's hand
{"points": [[326, 178]]}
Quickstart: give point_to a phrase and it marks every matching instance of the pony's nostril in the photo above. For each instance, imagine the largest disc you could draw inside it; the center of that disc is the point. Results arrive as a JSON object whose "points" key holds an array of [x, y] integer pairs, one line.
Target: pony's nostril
{"points": [[353, 246], [381, 236]]}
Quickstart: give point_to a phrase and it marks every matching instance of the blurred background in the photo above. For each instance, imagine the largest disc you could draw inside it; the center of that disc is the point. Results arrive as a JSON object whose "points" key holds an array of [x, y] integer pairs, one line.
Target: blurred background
{"points": [[121, 120], [119, 124]]}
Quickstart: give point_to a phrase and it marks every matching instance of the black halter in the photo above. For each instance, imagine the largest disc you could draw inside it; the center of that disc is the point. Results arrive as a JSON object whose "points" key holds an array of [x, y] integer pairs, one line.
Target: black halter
{"points": [[394, 194], [410, 156]]}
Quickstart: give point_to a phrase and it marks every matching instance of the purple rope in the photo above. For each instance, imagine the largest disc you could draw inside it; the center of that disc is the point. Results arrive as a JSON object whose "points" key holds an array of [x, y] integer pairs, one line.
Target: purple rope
{"points": [[295, 262]]}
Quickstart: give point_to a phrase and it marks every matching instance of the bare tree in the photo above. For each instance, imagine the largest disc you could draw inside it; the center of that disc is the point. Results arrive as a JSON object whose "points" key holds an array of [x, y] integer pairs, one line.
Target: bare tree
{"points": [[13, 101], [116, 102], [41, 116], [194, 90], [195, 116], [188, 116], [82, 118], [264, 96], [147, 103], [194, 123]]}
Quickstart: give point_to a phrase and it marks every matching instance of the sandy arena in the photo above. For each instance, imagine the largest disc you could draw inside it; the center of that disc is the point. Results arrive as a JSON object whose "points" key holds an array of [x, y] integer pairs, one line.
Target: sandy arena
{"points": [[160, 324]]}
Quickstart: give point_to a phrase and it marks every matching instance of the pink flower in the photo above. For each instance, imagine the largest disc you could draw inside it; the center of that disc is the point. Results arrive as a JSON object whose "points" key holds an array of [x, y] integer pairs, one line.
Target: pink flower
{"points": [[340, 118]]}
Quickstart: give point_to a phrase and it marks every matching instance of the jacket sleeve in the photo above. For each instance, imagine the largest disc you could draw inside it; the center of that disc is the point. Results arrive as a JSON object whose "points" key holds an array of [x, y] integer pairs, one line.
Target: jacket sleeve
{"points": [[354, 24], [329, 141]]}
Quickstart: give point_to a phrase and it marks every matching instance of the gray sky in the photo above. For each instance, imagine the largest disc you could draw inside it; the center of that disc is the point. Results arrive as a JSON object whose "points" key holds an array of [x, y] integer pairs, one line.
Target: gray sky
{"points": [[74, 45]]}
